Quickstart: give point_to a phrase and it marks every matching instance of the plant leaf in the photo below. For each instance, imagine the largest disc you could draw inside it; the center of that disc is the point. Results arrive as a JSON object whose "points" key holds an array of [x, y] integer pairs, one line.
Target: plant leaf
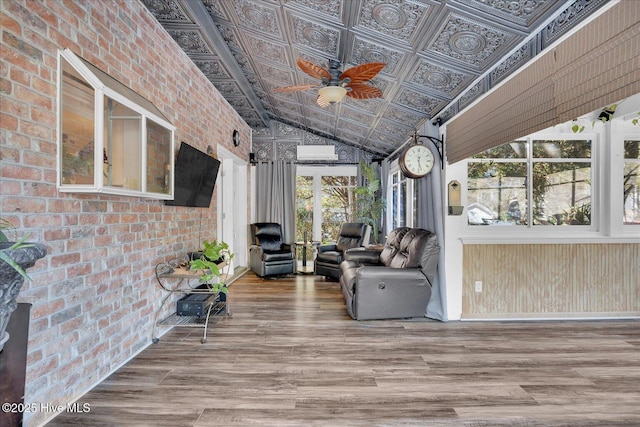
{"points": [[6, 258]]}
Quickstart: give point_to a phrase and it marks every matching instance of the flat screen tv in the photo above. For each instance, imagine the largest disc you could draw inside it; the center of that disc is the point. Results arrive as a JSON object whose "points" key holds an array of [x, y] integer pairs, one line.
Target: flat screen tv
{"points": [[195, 176]]}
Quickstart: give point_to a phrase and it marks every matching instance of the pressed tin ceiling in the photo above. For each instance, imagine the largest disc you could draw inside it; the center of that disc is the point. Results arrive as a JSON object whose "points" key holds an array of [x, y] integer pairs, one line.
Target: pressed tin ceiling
{"points": [[441, 55]]}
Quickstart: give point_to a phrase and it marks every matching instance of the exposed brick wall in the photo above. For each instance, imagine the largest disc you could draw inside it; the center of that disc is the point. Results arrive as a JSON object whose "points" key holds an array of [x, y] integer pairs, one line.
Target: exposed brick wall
{"points": [[94, 295]]}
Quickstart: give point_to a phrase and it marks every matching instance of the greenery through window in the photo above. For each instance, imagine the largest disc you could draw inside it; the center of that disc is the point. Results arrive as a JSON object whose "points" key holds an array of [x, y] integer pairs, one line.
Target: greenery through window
{"points": [[631, 182], [325, 199], [531, 183]]}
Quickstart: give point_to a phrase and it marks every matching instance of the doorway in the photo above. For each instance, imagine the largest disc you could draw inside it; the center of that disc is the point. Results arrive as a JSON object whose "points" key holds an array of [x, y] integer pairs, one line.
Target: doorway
{"points": [[232, 206], [325, 198]]}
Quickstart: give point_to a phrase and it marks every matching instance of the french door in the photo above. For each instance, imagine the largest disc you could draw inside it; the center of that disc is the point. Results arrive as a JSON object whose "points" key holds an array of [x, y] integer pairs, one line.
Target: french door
{"points": [[325, 198]]}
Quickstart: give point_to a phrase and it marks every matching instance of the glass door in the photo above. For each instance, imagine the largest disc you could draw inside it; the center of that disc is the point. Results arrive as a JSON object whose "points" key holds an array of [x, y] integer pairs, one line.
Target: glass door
{"points": [[325, 198]]}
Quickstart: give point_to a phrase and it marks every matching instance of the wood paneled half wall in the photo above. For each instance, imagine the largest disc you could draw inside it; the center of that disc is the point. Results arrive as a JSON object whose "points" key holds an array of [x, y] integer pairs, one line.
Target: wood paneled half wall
{"points": [[551, 280]]}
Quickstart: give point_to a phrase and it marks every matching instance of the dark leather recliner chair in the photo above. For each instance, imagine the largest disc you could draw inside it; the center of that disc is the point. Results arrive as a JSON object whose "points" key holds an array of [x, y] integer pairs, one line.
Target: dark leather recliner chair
{"points": [[268, 255], [351, 235], [393, 283]]}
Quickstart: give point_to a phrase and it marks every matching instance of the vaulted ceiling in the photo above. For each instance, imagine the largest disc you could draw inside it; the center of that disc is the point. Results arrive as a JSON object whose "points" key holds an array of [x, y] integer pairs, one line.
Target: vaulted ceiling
{"points": [[441, 55]]}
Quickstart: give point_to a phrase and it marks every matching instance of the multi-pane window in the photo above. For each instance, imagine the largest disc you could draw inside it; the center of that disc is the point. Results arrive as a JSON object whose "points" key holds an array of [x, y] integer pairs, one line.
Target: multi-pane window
{"points": [[338, 204], [531, 183], [631, 181], [325, 199], [111, 140]]}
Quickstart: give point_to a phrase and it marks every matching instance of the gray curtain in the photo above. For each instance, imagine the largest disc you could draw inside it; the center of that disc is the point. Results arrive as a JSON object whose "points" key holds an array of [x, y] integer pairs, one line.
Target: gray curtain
{"points": [[430, 217], [276, 196]]}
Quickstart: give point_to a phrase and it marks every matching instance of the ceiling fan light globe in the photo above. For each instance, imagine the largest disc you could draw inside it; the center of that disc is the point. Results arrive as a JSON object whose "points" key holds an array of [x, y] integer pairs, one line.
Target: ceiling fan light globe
{"points": [[332, 94]]}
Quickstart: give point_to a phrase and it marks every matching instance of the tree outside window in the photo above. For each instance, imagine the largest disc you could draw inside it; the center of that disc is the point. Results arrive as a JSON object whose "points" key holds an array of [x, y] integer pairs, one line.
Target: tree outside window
{"points": [[531, 183], [631, 182]]}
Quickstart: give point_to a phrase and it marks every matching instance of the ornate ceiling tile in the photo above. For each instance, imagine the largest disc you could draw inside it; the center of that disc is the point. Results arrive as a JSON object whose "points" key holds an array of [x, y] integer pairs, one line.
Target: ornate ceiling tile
{"points": [[321, 126], [449, 112], [346, 125], [328, 7], [356, 115], [382, 140], [521, 12], [283, 130], [316, 36], [263, 150], [214, 9], [278, 75], [364, 51], [471, 94], [244, 61], [345, 153], [468, 41], [369, 105], [351, 134], [418, 101], [257, 17], [240, 104], [190, 41], [286, 150], [569, 17], [230, 37], [440, 79], [393, 128], [166, 10], [512, 63], [264, 49], [403, 115], [434, 50], [212, 68], [263, 132], [395, 18], [311, 139], [229, 88], [250, 116]]}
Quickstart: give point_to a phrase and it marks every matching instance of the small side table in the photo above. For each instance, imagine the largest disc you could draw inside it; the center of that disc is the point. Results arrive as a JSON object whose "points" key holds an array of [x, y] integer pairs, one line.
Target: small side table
{"points": [[304, 245]]}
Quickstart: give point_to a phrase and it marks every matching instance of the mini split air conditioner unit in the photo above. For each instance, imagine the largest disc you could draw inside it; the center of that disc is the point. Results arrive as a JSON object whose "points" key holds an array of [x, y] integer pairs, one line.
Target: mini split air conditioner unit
{"points": [[317, 152]]}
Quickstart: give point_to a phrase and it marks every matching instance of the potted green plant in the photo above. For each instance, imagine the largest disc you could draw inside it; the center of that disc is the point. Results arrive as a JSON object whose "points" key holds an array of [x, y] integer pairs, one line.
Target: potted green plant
{"points": [[211, 260], [15, 258]]}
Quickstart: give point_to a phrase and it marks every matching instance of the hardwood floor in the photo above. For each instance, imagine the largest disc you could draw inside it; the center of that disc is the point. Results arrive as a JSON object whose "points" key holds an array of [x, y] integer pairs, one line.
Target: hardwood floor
{"points": [[291, 356]]}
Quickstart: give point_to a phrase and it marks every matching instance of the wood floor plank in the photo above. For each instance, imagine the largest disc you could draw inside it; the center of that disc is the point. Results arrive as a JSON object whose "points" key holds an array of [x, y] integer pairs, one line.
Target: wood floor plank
{"points": [[291, 356]]}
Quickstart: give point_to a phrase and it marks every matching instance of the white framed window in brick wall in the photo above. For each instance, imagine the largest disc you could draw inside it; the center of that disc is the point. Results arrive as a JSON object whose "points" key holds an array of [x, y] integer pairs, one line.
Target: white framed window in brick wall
{"points": [[110, 139]]}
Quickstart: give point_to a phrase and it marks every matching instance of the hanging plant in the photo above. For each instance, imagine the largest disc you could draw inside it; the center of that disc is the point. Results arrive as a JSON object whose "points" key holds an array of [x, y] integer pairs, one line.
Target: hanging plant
{"points": [[607, 113], [577, 127]]}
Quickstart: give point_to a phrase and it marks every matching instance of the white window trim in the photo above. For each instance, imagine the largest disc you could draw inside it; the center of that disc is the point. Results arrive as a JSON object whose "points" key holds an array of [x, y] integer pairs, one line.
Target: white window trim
{"points": [[317, 172], [102, 91], [607, 210]]}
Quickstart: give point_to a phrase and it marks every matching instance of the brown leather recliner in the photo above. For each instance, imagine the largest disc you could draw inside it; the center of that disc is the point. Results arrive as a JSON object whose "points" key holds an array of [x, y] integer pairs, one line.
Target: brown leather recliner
{"points": [[392, 283]]}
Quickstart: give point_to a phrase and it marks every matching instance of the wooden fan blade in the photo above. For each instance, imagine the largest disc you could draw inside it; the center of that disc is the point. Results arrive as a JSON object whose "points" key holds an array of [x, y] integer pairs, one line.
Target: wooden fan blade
{"points": [[322, 102], [295, 88], [363, 73], [363, 91], [315, 71]]}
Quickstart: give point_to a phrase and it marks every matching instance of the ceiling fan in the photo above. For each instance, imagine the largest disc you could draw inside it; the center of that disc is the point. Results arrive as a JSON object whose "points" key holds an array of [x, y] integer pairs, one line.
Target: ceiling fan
{"points": [[336, 84]]}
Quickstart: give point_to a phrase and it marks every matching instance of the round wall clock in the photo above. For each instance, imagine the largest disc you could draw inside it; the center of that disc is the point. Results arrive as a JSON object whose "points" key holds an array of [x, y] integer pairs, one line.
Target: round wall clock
{"points": [[236, 138], [416, 161]]}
